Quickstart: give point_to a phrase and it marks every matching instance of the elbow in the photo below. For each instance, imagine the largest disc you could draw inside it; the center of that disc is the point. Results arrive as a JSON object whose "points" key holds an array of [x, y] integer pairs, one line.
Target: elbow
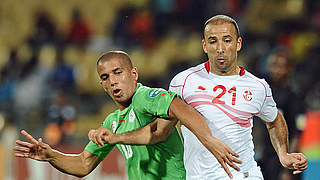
{"points": [[270, 125], [81, 175], [86, 166], [85, 171]]}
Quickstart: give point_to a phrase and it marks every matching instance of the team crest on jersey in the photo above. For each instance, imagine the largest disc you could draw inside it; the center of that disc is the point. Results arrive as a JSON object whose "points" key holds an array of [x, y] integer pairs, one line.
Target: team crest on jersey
{"points": [[132, 116], [247, 95], [155, 92], [114, 126]]}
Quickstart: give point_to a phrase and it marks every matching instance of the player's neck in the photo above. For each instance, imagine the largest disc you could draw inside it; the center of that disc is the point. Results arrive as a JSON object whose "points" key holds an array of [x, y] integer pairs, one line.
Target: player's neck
{"points": [[234, 70], [123, 105]]}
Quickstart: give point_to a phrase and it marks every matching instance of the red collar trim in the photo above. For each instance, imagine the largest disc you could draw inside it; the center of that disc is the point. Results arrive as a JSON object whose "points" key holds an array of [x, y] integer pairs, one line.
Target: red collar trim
{"points": [[242, 71], [207, 66]]}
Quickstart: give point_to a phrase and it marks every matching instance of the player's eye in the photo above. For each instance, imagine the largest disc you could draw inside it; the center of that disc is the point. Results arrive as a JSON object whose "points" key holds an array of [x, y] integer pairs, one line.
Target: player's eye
{"points": [[118, 72], [104, 77], [228, 40]]}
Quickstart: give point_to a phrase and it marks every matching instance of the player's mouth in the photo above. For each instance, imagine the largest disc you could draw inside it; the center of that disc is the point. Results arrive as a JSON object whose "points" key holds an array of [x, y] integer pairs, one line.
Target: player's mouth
{"points": [[116, 92], [221, 60]]}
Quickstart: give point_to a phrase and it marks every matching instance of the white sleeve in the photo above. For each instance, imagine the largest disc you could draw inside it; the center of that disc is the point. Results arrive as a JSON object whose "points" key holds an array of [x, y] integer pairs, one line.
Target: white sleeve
{"points": [[269, 110], [176, 85]]}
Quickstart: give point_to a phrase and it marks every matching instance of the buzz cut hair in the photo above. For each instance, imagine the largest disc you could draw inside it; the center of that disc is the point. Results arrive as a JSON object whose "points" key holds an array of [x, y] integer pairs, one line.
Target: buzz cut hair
{"points": [[222, 19], [116, 54]]}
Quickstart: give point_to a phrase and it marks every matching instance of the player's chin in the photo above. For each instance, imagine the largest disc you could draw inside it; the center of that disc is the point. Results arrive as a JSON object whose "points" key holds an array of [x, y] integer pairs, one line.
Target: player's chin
{"points": [[120, 99]]}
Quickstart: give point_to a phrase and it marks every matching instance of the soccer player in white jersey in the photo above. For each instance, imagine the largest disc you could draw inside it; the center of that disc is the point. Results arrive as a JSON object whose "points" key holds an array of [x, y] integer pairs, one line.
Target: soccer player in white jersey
{"points": [[228, 97]]}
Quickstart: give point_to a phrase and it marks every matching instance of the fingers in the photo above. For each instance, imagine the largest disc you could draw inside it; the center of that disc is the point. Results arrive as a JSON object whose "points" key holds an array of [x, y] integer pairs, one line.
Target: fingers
{"points": [[99, 140], [19, 149], [107, 136], [92, 136], [298, 163], [24, 144], [297, 172], [41, 144], [99, 136], [96, 137], [23, 150], [29, 137], [234, 154], [302, 161], [229, 159], [300, 169], [24, 155], [230, 163], [224, 166], [233, 159]]}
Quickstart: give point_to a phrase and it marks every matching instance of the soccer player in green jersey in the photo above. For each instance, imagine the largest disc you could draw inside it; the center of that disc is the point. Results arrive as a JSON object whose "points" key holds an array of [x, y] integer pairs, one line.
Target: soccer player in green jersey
{"points": [[138, 106]]}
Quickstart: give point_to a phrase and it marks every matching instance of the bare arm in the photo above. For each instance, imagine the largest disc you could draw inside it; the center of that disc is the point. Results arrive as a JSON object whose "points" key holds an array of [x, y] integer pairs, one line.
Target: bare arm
{"points": [[278, 132], [152, 133], [160, 129], [78, 165], [75, 164], [194, 121]]}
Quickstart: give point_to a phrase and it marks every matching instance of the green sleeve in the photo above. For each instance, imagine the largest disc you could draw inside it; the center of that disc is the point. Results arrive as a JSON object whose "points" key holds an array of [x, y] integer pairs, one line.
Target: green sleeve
{"points": [[102, 151], [154, 101]]}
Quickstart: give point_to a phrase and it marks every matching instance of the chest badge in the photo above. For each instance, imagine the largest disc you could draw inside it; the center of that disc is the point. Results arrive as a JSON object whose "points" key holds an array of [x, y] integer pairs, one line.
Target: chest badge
{"points": [[247, 95], [132, 116]]}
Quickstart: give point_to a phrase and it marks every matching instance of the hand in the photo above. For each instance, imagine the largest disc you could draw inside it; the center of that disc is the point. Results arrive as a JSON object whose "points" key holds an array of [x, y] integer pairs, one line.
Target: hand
{"points": [[33, 149], [224, 155], [295, 161], [101, 135]]}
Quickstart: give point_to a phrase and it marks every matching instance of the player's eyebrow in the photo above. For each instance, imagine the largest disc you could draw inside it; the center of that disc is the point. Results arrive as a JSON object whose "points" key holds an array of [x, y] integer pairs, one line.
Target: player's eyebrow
{"points": [[116, 69], [212, 37], [227, 36], [215, 37]]}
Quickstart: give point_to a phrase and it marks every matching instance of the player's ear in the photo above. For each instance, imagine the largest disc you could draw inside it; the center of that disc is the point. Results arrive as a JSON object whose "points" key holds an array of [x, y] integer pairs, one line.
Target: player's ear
{"points": [[239, 43], [204, 46], [134, 72]]}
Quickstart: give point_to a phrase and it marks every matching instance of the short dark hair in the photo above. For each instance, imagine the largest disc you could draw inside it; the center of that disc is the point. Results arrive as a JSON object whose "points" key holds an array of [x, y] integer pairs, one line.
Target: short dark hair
{"points": [[221, 19], [115, 54]]}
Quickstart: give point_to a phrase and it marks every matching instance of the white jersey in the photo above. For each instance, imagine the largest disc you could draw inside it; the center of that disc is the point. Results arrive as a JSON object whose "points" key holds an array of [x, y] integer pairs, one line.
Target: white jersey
{"points": [[228, 104]]}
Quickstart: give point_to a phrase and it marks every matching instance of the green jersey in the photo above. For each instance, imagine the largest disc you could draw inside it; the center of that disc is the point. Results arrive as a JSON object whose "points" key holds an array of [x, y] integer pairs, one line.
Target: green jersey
{"points": [[163, 160]]}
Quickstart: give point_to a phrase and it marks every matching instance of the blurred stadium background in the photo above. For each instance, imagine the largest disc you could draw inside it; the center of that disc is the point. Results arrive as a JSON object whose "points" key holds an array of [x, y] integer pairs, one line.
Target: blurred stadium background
{"points": [[49, 85]]}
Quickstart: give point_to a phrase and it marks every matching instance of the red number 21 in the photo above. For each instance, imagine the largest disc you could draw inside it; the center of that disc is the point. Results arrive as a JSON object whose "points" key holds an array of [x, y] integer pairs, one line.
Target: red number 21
{"points": [[231, 91]]}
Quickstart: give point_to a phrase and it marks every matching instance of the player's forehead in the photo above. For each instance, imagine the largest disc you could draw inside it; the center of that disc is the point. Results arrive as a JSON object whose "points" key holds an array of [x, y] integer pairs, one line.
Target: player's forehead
{"points": [[220, 28], [111, 64]]}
